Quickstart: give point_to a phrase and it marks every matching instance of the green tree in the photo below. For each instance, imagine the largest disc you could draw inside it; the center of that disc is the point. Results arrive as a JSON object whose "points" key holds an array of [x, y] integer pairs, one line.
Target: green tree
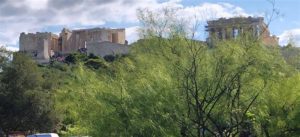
{"points": [[173, 85], [5, 55], [25, 105], [291, 55]]}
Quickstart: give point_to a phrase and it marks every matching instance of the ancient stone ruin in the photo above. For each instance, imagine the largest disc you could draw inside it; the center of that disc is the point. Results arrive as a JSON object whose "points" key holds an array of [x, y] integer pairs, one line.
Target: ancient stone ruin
{"points": [[224, 29], [104, 41], [42, 46]]}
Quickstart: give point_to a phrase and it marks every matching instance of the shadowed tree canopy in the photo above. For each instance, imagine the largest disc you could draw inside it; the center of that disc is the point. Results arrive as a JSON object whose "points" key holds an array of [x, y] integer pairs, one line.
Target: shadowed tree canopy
{"points": [[25, 102]]}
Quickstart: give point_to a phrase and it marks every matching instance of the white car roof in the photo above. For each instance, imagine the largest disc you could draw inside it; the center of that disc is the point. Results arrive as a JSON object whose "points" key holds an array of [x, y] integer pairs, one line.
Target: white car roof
{"points": [[44, 135]]}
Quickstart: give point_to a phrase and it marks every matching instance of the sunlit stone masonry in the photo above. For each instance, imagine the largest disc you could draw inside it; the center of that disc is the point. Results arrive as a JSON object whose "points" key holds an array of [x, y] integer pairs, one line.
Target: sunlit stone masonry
{"points": [[41, 46]]}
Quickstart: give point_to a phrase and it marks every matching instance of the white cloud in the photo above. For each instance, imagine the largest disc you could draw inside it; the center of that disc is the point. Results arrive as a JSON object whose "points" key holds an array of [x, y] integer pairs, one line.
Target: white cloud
{"points": [[207, 11], [36, 4], [292, 35], [196, 16], [132, 34], [34, 15], [10, 48]]}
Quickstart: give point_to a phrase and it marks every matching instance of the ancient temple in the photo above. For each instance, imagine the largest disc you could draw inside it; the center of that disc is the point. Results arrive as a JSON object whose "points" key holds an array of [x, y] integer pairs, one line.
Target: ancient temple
{"points": [[224, 29]]}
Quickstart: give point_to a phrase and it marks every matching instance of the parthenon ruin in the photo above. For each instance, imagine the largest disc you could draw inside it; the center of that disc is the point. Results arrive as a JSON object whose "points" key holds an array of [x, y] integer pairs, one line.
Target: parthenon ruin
{"points": [[222, 29]]}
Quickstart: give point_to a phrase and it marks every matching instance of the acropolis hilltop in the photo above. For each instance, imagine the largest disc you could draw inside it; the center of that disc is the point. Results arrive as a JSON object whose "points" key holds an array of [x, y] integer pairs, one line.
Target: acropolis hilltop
{"points": [[105, 41], [99, 41]]}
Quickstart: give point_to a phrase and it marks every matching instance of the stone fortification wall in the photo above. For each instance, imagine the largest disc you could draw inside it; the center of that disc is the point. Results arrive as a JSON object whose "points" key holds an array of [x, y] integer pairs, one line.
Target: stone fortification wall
{"points": [[106, 48], [76, 39], [42, 46], [38, 45]]}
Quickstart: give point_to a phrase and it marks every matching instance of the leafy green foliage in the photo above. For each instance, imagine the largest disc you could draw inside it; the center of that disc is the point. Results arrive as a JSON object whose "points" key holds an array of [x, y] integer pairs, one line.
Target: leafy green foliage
{"points": [[96, 63], [145, 93], [25, 100], [142, 95], [75, 58], [5, 55], [291, 55]]}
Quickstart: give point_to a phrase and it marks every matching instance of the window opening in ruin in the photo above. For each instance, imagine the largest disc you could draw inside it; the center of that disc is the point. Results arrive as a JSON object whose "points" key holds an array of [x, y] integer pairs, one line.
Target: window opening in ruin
{"points": [[257, 30], [219, 33], [235, 32], [241, 30], [34, 53]]}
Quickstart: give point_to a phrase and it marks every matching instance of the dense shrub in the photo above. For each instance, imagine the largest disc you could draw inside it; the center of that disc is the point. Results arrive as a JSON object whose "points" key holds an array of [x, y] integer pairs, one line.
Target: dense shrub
{"points": [[96, 63], [75, 58], [59, 65], [92, 56]]}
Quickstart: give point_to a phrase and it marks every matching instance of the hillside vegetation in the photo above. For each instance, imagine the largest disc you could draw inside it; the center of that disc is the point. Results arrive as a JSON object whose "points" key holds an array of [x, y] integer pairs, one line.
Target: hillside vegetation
{"points": [[162, 88]]}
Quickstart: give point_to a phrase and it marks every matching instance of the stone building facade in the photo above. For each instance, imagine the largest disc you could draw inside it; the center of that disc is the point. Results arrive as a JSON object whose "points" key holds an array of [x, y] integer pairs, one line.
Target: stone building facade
{"points": [[105, 48], [39, 45], [42, 46], [71, 41], [223, 29]]}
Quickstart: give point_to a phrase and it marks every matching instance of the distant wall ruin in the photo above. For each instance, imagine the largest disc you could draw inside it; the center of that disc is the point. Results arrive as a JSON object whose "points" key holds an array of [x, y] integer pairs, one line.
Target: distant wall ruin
{"points": [[105, 48], [38, 45], [41, 46], [76, 39]]}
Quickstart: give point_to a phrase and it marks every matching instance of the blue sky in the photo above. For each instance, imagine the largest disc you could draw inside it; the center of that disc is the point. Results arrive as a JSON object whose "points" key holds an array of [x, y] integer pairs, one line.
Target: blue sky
{"points": [[52, 15]]}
